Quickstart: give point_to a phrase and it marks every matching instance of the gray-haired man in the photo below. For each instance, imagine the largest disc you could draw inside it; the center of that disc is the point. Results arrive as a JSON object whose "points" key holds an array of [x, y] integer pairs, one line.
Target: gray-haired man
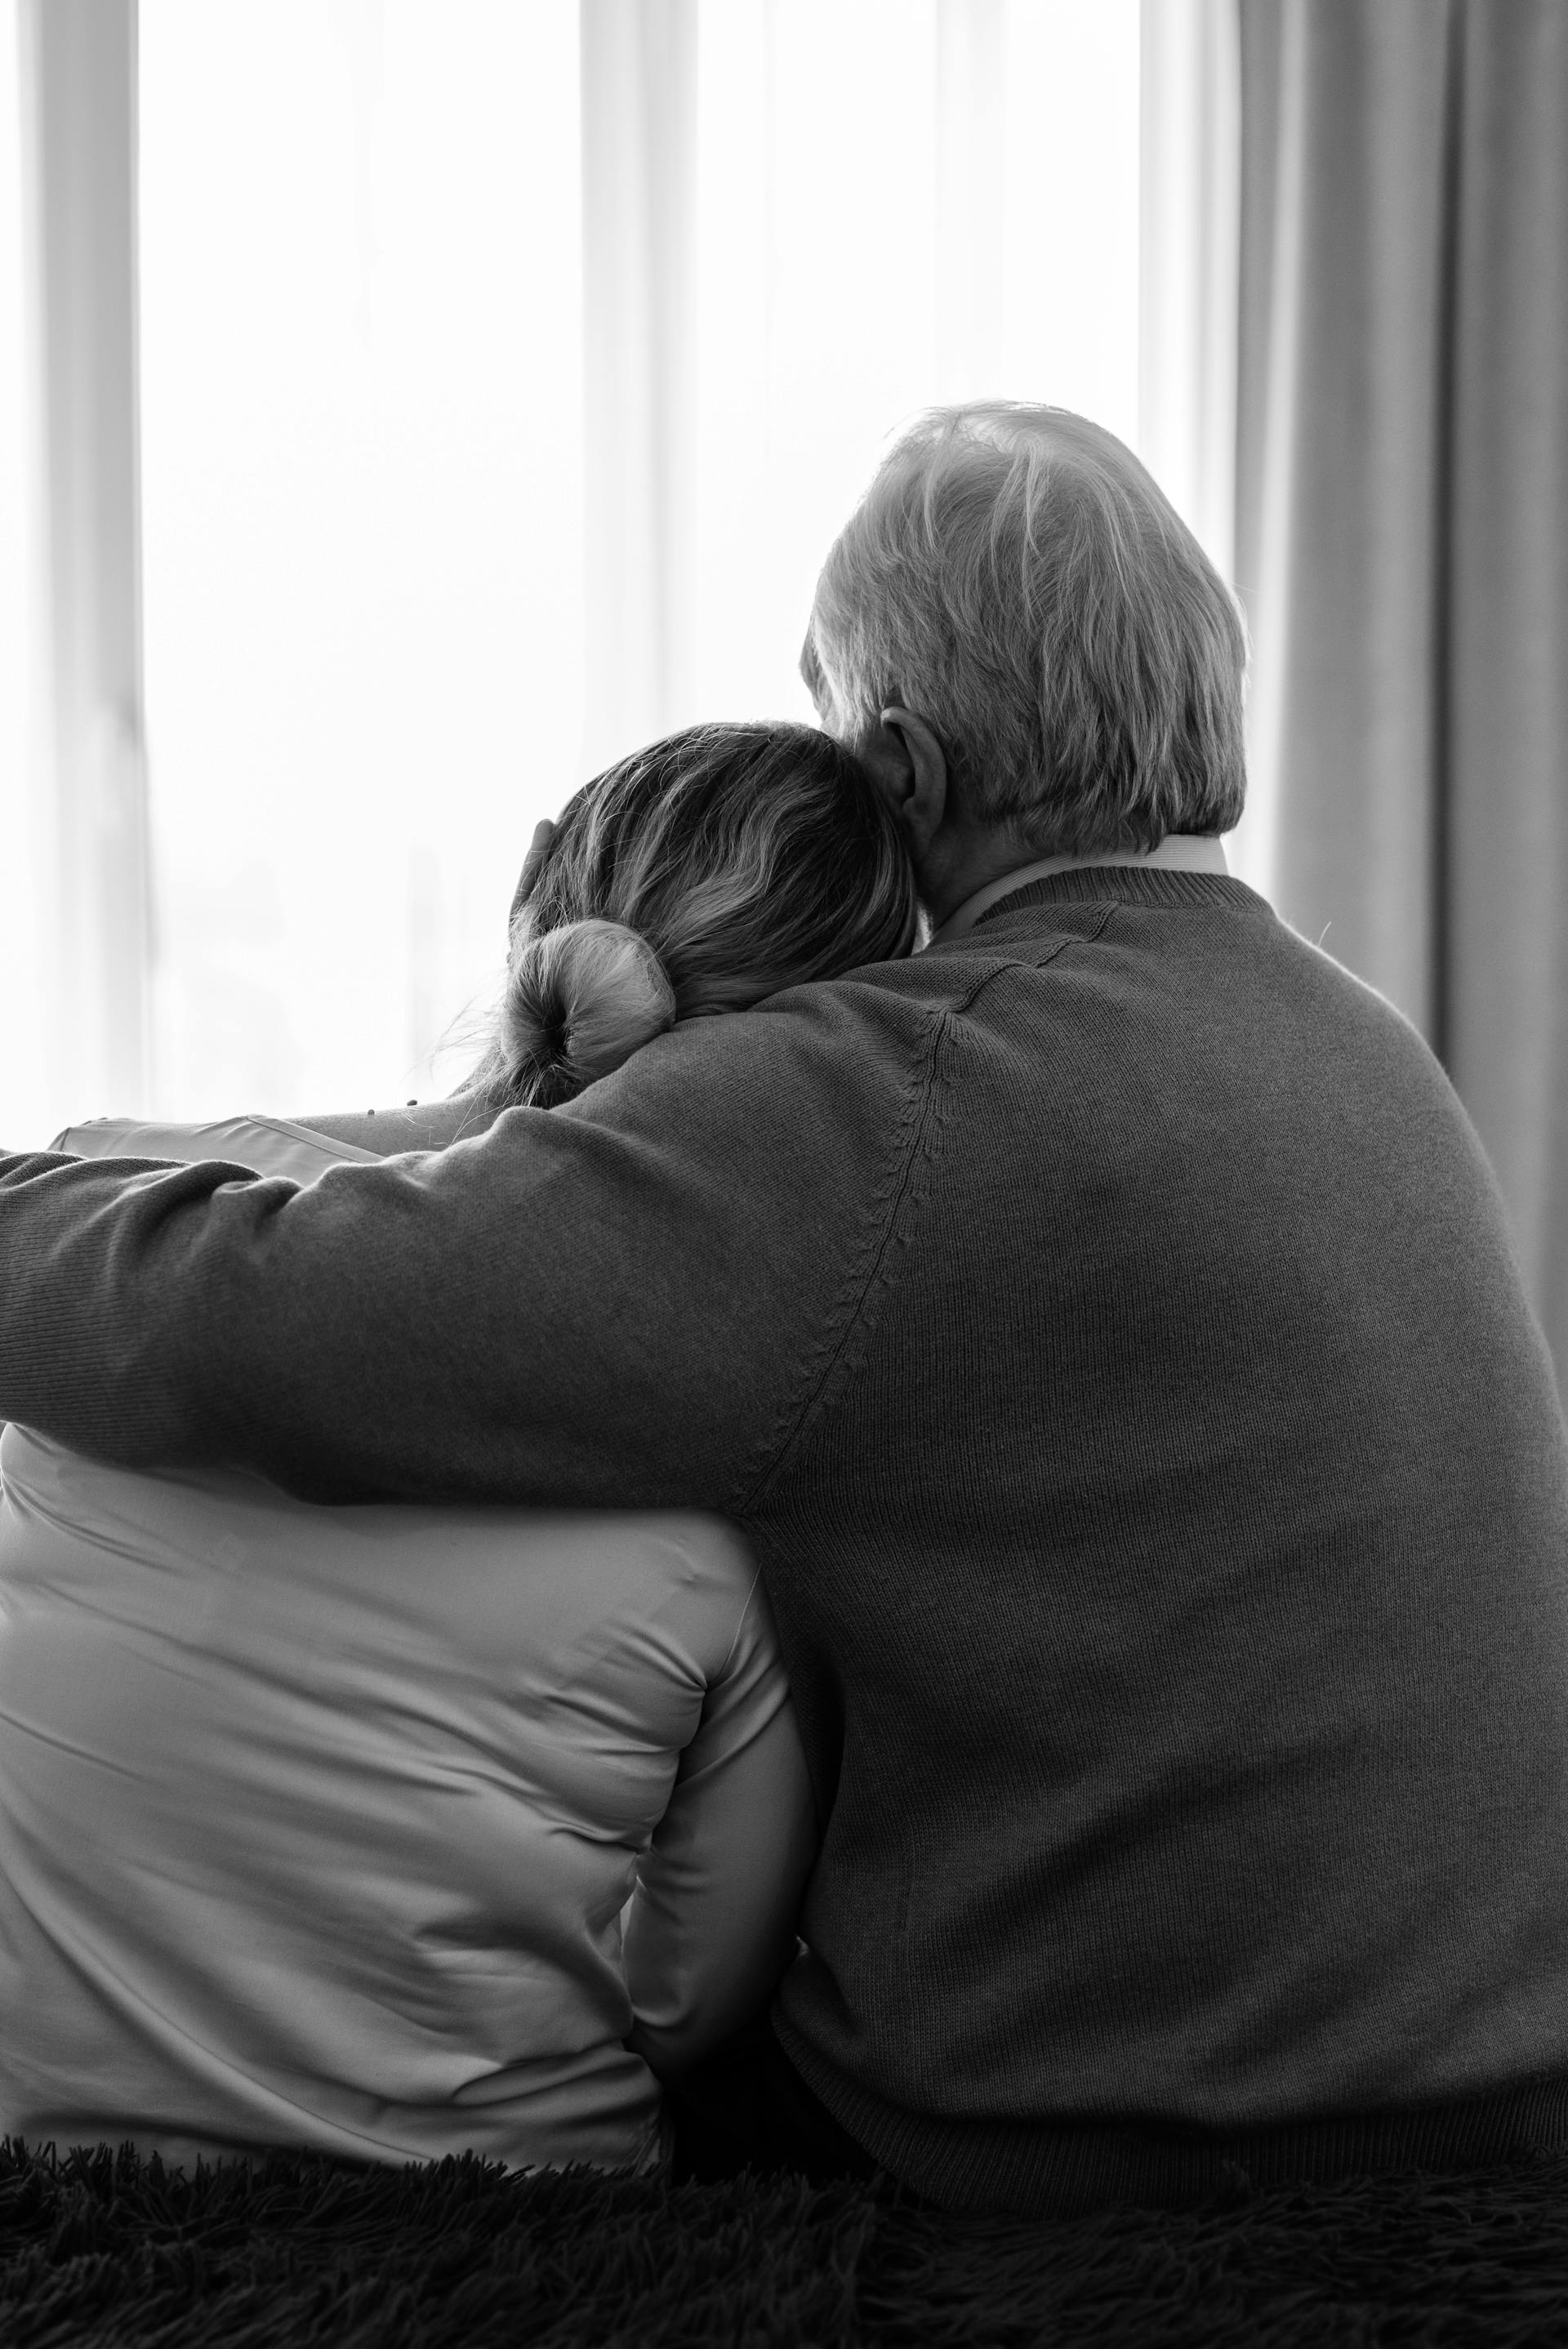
{"points": [[1104, 1326]]}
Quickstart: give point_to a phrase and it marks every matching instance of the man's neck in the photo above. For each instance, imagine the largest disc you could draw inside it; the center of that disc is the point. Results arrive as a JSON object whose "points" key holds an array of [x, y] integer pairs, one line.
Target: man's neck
{"points": [[1182, 852]]}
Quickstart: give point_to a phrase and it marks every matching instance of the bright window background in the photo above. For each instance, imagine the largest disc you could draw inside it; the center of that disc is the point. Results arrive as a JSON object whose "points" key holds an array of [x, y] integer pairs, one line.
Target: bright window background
{"points": [[362, 461], [824, 316], [362, 515]]}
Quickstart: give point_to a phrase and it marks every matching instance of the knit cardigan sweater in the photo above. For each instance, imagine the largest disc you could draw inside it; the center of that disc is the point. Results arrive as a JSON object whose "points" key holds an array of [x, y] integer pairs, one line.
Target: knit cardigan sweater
{"points": [[1105, 1327]]}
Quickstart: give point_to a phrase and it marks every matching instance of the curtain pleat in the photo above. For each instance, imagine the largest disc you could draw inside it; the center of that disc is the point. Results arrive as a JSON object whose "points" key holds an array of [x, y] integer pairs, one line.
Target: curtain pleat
{"points": [[1506, 1025], [639, 196], [1402, 513], [91, 882]]}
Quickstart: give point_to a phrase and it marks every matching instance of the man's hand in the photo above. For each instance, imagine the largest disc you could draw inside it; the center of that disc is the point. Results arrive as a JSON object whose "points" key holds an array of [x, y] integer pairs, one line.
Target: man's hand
{"points": [[533, 864]]}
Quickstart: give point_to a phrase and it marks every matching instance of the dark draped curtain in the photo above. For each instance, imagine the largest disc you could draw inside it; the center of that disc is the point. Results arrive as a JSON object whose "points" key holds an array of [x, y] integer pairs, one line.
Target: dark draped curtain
{"points": [[1402, 535]]}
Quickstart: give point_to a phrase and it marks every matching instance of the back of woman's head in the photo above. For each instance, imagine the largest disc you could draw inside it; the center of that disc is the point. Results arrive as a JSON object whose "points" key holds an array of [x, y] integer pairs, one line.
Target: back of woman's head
{"points": [[706, 872]]}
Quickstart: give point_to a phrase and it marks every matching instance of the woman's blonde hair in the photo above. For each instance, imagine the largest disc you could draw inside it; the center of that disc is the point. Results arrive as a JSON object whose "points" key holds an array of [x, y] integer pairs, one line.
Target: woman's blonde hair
{"points": [[700, 874]]}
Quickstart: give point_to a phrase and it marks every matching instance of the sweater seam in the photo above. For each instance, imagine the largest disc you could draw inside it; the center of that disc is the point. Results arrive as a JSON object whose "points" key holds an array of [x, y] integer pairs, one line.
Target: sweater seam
{"points": [[923, 1115], [858, 1283], [1016, 961]]}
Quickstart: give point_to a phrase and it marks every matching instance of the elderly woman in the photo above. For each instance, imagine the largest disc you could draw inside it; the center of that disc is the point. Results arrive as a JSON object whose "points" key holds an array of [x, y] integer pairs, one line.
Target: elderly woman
{"points": [[392, 1831]]}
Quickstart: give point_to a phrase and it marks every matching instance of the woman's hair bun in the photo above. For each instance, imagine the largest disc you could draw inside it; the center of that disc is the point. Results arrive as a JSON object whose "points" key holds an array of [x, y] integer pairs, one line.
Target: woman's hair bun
{"points": [[579, 999]]}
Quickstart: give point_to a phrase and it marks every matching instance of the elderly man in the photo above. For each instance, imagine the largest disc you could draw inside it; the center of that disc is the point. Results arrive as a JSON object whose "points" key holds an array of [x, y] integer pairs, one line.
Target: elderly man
{"points": [[1103, 1325]]}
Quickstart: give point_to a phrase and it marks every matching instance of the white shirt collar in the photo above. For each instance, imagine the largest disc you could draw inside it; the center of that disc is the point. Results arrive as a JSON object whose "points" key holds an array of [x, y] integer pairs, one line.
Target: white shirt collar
{"points": [[1181, 852]]}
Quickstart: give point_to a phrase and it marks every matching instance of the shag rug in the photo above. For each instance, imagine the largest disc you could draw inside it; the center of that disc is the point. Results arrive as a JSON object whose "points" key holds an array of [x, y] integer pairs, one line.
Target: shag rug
{"points": [[98, 2249]]}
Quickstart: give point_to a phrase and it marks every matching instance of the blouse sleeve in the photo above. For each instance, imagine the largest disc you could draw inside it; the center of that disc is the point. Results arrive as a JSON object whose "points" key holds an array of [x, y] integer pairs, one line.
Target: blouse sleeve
{"points": [[710, 1927], [268, 1145]]}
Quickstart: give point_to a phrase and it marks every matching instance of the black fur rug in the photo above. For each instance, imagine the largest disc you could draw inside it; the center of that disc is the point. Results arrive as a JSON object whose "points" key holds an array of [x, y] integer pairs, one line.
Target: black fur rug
{"points": [[98, 2249]]}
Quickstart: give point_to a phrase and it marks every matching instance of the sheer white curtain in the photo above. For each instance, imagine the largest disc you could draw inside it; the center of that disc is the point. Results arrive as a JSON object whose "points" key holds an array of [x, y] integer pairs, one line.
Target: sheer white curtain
{"points": [[894, 202], [362, 433], [899, 202], [1189, 259], [505, 374], [20, 1046]]}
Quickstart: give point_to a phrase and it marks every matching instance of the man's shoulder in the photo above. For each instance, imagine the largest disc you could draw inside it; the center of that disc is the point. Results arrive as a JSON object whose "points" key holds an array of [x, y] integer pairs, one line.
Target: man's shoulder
{"points": [[1059, 995], [864, 1035]]}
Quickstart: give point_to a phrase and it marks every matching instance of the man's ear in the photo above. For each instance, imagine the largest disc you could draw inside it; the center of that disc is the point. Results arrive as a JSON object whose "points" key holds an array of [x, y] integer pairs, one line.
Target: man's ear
{"points": [[908, 767]]}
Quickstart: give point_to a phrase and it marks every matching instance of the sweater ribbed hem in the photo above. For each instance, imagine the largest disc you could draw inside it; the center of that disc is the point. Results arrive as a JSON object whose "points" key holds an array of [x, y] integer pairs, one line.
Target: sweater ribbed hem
{"points": [[1060, 2170], [1135, 884]]}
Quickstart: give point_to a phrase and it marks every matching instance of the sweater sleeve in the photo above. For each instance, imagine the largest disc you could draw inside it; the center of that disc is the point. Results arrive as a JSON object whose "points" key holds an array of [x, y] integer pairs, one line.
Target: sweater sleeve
{"points": [[618, 1302]]}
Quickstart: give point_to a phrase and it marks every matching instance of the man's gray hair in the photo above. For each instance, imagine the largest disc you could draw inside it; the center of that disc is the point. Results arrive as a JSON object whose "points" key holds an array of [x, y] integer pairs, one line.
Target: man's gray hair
{"points": [[1017, 578]]}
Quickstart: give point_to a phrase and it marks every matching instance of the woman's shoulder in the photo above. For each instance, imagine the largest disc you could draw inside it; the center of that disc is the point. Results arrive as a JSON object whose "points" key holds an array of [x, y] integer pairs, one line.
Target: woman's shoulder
{"points": [[685, 1578], [709, 1545], [677, 1588]]}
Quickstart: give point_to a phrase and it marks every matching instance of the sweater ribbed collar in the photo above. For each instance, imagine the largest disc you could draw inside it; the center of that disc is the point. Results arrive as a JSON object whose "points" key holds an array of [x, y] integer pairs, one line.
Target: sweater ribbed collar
{"points": [[1179, 851]]}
